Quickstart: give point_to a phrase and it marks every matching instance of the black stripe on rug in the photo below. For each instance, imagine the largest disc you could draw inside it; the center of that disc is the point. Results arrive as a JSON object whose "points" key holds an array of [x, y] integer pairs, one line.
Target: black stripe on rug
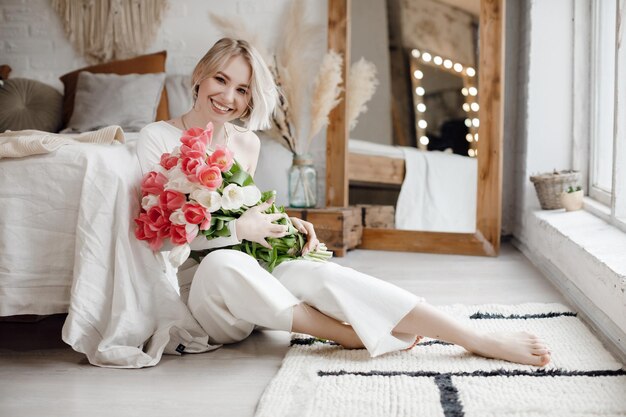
{"points": [[308, 341], [497, 372], [449, 397], [448, 393], [481, 316]]}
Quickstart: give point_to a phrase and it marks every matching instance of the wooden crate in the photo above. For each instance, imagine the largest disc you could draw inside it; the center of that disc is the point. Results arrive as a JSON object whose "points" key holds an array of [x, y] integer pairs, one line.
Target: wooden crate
{"points": [[340, 228], [378, 216]]}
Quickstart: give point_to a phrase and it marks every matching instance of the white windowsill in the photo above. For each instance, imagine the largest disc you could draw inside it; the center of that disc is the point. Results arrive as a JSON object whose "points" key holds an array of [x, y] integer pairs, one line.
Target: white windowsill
{"points": [[592, 234], [585, 258]]}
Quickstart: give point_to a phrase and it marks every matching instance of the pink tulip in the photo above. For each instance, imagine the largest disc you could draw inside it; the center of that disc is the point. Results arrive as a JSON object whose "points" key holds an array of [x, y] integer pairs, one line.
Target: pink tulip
{"points": [[195, 133], [194, 213], [153, 183], [206, 223], [168, 161], [180, 234], [172, 200], [195, 148], [142, 231], [222, 158], [189, 167], [209, 176], [159, 220]]}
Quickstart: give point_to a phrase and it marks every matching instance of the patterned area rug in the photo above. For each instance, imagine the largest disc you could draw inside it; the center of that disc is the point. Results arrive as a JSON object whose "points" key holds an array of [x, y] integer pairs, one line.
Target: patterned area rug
{"points": [[318, 378]]}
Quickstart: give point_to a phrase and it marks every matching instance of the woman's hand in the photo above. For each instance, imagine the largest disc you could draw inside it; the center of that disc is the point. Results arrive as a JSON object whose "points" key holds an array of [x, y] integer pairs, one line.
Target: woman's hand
{"points": [[255, 226], [307, 229]]}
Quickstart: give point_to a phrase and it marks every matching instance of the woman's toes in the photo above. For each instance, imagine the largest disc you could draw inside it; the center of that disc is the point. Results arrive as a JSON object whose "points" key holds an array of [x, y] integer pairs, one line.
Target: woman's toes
{"points": [[544, 359]]}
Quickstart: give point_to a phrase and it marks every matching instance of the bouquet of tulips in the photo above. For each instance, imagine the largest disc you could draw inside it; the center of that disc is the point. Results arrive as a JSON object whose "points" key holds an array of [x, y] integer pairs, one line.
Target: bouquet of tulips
{"points": [[193, 192]]}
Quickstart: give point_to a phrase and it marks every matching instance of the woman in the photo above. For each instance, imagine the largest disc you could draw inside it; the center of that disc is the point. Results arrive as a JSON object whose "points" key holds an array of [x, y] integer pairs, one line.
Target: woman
{"points": [[230, 293]]}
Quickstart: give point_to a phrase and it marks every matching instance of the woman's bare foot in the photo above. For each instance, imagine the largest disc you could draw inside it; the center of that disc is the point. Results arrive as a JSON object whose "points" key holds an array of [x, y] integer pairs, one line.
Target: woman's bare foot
{"points": [[519, 347]]}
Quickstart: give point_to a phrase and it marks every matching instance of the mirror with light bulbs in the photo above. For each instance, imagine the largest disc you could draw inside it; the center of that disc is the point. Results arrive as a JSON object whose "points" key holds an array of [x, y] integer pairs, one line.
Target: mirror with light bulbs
{"points": [[445, 101], [463, 93]]}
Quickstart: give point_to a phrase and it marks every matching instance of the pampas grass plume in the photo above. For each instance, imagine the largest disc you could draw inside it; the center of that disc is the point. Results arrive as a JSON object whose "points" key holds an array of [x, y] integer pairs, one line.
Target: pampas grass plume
{"points": [[362, 84], [326, 91]]}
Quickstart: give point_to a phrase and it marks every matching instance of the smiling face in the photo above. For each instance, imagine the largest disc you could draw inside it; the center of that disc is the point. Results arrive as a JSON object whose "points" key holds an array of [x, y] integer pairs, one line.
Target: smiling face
{"points": [[225, 96]]}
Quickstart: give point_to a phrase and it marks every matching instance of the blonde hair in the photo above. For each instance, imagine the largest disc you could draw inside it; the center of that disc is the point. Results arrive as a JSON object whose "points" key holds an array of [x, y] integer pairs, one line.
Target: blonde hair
{"points": [[264, 94]]}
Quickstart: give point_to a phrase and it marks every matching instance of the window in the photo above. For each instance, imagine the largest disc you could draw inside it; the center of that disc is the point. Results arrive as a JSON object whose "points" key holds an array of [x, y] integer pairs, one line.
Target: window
{"points": [[606, 182]]}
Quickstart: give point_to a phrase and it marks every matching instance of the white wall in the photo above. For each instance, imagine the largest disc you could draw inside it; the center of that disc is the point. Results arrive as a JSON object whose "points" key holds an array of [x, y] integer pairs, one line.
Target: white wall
{"points": [[370, 40], [545, 119], [33, 43]]}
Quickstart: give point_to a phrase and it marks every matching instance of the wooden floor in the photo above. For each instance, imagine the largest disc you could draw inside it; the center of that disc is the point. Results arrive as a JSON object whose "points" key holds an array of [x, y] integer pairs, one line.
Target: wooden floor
{"points": [[40, 376]]}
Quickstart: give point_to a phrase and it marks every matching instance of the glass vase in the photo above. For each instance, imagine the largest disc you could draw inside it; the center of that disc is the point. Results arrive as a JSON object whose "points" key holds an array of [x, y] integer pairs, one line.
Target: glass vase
{"points": [[302, 182]]}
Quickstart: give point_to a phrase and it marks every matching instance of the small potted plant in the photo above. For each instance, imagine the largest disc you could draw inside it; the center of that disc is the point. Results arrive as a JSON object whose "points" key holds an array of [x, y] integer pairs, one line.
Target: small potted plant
{"points": [[572, 198]]}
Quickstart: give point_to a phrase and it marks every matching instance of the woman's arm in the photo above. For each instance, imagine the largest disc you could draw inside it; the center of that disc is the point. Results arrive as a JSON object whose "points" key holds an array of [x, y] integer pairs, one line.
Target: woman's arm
{"points": [[202, 243]]}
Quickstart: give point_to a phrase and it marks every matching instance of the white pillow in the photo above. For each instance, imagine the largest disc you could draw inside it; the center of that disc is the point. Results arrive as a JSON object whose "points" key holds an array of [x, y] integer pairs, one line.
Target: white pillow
{"points": [[129, 101], [179, 98]]}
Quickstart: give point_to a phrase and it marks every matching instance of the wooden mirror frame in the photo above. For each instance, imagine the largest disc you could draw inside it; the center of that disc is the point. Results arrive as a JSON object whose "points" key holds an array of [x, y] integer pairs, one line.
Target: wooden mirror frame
{"points": [[486, 239]]}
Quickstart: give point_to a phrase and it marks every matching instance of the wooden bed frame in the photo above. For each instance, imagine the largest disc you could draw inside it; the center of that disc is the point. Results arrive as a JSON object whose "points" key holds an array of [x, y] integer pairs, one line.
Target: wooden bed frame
{"points": [[375, 169]]}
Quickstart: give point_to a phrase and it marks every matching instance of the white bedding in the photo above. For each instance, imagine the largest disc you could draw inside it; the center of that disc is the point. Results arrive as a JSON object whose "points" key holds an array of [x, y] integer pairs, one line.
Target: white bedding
{"points": [[66, 245], [438, 193]]}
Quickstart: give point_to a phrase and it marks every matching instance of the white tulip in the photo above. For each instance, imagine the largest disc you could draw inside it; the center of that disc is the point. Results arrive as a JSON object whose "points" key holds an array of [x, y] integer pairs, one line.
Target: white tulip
{"points": [[192, 229], [179, 254], [149, 201], [251, 195], [232, 197], [178, 181], [210, 200], [178, 217]]}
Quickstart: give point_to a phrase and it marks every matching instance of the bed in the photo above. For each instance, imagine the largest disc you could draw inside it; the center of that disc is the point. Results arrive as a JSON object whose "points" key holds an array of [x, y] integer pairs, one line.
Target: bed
{"points": [[66, 234], [431, 191]]}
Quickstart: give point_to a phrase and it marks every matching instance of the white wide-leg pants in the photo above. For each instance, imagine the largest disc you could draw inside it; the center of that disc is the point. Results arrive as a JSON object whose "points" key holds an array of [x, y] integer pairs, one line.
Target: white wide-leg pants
{"points": [[231, 294]]}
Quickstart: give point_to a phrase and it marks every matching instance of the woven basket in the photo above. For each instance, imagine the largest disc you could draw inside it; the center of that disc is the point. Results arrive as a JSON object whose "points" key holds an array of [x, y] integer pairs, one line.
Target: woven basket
{"points": [[551, 185]]}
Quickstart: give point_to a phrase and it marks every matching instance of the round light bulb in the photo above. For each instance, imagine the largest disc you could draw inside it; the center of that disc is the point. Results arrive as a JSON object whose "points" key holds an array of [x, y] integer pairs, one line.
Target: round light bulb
{"points": [[415, 53], [422, 124], [475, 107], [438, 60], [421, 107], [468, 123], [447, 63], [419, 91], [475, 122], [426, 57], [476, 137], [464, 91], [473, 91], [470, 71], [469, 137], [418, 74], [470, 152], [458, 67], [466, 106], [424, 140]]}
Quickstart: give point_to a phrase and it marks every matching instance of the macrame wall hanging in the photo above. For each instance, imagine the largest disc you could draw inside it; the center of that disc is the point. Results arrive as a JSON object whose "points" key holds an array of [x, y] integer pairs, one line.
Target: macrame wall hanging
{"points": [[104, 30]]}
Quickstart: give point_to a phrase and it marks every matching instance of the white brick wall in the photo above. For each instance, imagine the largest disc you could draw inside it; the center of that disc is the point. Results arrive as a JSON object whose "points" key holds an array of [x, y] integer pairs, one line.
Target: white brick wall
{"points": [[33, 42]]}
